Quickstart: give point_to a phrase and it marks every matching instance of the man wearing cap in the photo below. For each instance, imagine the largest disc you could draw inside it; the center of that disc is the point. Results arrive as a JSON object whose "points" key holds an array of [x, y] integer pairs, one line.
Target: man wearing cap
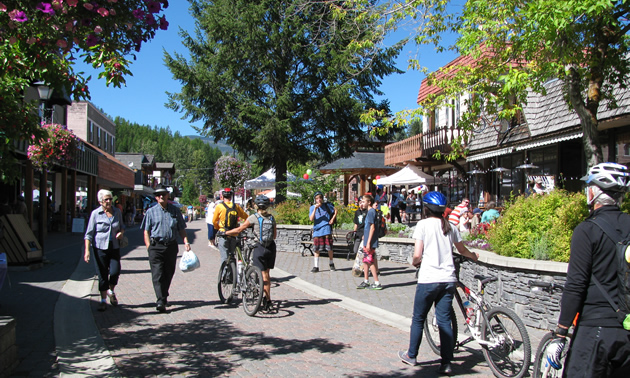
{"points": [[161, 224], [226, 244], [539, 188], [323, 215]]}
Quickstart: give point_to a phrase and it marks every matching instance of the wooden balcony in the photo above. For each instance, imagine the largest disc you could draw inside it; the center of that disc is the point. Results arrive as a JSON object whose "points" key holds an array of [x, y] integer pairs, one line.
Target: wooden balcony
{"points": [[420, 147]]}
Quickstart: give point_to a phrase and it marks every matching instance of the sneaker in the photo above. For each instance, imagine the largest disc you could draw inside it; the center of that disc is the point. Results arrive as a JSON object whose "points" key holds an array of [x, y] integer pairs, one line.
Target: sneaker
{"points": [[406, 359], [112, 298], [332, 267], [363, 285], [376, 286], [446, 369], [315, 270], [102, 306]]}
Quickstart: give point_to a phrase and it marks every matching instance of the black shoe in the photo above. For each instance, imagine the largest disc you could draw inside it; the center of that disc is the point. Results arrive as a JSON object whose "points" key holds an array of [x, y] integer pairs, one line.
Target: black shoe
{"points": [[332, 267], [314, 270], [102, 306], [446, 369], [161, 307]]}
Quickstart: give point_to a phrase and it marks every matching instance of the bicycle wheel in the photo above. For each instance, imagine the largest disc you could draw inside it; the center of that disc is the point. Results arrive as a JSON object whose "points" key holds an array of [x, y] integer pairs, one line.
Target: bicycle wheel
{"points": [[226, 281], [432, 332], [541, 366], [252, 297], [509, 351]]}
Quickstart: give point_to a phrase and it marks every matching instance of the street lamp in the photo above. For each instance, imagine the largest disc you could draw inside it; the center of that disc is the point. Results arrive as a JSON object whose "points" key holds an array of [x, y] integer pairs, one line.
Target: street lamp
{"points": [[45, 93]]}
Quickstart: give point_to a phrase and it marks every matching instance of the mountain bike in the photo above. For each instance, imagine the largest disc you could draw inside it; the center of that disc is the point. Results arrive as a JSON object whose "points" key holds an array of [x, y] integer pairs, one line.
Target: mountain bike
{"points": [[244, 278], [541, 365], [499, 331]]}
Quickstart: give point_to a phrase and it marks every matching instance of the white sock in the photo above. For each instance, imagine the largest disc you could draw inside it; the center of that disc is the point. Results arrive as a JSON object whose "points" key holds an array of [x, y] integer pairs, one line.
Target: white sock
{"points": [[332, 262], [366, 281], [110, 291], [316, 263], [377, 283]]}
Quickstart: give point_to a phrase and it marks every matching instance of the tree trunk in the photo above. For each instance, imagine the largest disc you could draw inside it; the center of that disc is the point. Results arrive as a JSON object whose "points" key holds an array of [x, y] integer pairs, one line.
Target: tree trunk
{"points": [[587, 112], [281, 179]]}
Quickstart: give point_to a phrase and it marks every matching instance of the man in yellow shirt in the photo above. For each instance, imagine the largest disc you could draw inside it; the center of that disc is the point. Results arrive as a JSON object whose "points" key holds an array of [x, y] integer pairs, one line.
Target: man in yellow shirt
{"points": [[226, 215]]}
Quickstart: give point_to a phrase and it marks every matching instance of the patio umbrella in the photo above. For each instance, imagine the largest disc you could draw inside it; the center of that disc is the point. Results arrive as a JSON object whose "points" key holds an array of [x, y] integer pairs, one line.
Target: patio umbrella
{"points": [[526, 166]]}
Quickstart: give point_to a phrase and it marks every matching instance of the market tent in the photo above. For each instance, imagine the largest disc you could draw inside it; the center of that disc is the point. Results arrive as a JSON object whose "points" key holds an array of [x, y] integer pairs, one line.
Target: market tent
{"points": [[272, 194], [407, 176], [266, 181]]}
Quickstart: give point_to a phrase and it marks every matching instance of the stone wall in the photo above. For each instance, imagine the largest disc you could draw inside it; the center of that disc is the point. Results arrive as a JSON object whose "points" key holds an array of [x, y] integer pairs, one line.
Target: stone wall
{"points": [[511, 290]]}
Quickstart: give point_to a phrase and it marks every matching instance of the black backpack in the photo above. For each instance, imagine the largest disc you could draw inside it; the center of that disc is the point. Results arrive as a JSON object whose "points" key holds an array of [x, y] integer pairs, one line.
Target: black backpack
{"points": [[381, 224], [231, 217], [623, 272]]}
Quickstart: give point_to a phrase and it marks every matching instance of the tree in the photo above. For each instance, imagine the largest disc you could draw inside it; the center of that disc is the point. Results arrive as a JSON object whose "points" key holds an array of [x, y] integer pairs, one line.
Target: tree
{"points": [[521, 44], [40, 42], [282, 80]]}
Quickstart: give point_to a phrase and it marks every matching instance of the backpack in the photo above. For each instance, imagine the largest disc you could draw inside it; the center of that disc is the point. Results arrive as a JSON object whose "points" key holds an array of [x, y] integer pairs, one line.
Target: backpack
{"points": [[231, 217], [330, 212], [266, 227], [381, 224], [623, 272]]}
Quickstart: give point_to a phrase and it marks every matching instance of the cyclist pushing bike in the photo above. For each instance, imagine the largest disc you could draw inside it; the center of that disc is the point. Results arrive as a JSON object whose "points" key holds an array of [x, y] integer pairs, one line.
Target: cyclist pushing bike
{"points": [[226, 215], [436, 279], [264, 256], [600, 346]]}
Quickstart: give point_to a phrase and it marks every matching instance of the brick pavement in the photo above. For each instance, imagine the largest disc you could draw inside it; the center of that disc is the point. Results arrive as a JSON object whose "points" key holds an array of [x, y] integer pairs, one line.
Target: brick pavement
{"points": [[309, 335]]}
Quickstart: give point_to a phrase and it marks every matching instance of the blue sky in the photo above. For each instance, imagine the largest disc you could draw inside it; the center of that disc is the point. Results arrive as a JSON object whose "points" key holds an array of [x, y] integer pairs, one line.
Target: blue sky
{"points": [[142, 100]]}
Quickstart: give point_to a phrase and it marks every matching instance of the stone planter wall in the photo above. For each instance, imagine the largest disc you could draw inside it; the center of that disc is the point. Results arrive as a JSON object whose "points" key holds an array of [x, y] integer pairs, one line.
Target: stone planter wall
{"points": [[537, 309]]}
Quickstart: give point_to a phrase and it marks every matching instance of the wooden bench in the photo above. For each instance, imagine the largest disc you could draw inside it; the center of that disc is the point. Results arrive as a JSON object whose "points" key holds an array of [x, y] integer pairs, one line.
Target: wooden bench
{"points": [[306, 243]]}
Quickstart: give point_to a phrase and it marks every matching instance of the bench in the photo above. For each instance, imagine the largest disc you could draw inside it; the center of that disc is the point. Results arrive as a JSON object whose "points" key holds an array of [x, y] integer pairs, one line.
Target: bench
{"points": [[306, 243]]}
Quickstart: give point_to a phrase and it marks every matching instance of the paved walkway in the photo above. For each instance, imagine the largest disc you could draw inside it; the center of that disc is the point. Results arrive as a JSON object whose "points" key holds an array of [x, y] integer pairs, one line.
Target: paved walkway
{"points": [[325, 327]]}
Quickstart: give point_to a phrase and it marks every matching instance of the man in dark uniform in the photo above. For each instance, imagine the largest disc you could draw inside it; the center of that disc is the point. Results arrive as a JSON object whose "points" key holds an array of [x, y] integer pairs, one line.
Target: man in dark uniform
{"points": [[161, 224]]}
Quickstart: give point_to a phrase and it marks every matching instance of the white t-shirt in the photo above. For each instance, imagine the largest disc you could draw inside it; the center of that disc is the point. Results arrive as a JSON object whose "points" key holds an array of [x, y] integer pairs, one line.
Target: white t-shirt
{"points": [[437, 256], [210, 212]]}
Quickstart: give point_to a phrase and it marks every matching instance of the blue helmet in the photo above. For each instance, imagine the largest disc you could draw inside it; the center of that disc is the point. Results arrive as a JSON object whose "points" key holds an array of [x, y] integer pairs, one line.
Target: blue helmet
{"points": [[435, 201], [318, 193]]}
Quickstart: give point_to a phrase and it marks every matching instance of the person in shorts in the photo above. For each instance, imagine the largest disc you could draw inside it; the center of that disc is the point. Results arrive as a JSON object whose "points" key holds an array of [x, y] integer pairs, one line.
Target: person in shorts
{"points": [[323, 215], [264, 256], [370, 243]]}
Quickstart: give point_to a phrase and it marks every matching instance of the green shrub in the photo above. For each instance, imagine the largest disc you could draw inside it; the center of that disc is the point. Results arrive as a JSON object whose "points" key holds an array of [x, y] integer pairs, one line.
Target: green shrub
{"points": [[543, 224], [294, 212]]}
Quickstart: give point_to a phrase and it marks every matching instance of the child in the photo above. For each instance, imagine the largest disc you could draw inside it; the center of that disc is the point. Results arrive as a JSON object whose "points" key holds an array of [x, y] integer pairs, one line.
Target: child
{"points": [[370, 243], [359, 227]]}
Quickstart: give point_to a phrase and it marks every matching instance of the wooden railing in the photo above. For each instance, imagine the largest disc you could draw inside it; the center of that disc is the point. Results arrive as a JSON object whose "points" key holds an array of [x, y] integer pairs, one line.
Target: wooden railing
{"points": [[420, 146]]}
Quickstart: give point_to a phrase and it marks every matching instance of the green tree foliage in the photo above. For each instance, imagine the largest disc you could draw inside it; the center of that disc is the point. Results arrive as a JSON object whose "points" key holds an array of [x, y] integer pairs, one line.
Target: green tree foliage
{"points": [[39, 41], [541, 225], [194, 160], [519, 45], [282, 80]]}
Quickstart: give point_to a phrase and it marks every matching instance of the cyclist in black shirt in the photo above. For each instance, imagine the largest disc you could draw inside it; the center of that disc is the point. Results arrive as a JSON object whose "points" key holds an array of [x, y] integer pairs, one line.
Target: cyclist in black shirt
{"points": [[600, 346]]}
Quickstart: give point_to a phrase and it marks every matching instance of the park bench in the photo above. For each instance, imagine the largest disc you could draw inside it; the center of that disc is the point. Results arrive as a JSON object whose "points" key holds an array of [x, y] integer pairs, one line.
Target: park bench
{"points": [[343, 243]]}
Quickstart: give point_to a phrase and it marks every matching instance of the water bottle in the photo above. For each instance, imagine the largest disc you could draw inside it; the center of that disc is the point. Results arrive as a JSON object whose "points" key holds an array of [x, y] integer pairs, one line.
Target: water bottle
{"points": [[470, 312], [239, 268]]}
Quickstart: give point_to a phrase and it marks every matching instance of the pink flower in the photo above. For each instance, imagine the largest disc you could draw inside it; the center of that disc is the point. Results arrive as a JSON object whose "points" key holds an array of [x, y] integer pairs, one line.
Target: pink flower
{"points": [[31, 40], [72, 3], [103, 12], [112, 12], [98, 29], [61, 43], [150, 20], [92, 40], [46, 8], [3, 8], [70, 25], [57, 4], [88, 6], [154, 7], [138, 13], [18, 16], [163, 23]]}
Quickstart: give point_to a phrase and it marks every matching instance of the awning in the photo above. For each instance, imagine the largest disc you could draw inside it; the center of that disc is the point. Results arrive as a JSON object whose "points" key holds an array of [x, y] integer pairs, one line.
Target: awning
{"points": [[547, 141], [489, 154]]}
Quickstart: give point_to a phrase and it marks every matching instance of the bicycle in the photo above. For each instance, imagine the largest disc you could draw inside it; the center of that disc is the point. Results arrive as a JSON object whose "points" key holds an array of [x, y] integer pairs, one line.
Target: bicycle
{"points": [[499, 331], [248, 281], [541, 365]]}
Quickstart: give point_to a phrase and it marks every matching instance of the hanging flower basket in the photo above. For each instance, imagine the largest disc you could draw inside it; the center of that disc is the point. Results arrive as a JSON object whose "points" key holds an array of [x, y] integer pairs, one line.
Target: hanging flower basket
{"points": [[58, 148]]}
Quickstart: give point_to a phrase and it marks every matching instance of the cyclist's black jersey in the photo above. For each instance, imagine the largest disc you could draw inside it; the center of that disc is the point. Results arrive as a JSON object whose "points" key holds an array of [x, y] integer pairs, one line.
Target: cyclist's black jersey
{"points": [[593, 252]]}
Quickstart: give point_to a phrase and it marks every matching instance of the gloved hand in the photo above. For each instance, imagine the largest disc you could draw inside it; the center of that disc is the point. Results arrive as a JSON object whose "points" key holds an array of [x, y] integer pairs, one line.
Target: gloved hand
{"points": [[554, 352]]}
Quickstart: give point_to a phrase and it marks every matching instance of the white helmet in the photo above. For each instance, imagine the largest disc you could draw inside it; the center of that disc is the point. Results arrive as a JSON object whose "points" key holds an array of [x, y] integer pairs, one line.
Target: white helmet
{"points": [[611, 177]]}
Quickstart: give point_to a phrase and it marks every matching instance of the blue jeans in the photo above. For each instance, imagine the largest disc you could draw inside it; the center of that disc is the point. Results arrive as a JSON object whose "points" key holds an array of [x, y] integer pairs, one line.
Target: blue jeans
{"points": [[426, 295]]}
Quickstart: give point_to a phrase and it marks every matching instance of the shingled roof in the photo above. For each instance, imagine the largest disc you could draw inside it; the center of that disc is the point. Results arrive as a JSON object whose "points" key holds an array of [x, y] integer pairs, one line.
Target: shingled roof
{"points": [[359, 162]]}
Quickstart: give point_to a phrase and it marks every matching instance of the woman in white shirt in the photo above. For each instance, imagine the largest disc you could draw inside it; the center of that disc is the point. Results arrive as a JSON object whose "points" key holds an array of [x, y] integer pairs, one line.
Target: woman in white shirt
{"points": [[433, 253]]}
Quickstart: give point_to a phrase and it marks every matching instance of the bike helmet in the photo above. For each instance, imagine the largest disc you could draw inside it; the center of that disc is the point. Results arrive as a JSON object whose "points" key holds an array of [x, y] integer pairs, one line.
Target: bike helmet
{"points": [[262, 202], [318, 193], [227, 192], [435, 201], [610, 177]]}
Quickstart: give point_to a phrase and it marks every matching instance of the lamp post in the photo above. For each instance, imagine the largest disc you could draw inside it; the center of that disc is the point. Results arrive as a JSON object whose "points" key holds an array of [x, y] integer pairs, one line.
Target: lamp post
{"points": [[45, 93]]}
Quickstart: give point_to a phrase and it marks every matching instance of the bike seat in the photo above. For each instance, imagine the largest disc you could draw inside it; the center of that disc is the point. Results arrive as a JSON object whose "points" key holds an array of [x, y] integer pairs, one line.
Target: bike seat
{"points": [[484, 280]]}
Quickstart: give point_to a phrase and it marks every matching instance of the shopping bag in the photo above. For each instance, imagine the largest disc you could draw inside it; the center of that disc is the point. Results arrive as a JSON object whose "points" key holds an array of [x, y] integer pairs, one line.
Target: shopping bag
{"points": [[189, 262], [357, 267]]}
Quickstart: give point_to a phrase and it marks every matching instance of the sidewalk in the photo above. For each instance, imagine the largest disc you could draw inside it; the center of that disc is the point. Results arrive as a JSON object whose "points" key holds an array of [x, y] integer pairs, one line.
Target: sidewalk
{"points": [[325, 326]]}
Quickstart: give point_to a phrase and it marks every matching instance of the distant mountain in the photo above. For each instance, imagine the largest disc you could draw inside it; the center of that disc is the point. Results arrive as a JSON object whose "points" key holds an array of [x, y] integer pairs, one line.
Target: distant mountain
{"points": [[224, 148]]}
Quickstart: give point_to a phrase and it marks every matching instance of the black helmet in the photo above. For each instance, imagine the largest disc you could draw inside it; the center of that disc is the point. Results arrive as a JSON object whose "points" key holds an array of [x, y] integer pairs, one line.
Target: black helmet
{"points": [[262, 202], [227, 192], [435, 201]]}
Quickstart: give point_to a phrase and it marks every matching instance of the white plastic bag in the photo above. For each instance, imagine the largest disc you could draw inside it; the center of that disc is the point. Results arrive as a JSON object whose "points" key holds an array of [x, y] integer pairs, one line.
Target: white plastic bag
{"points": [[189, 262]]}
